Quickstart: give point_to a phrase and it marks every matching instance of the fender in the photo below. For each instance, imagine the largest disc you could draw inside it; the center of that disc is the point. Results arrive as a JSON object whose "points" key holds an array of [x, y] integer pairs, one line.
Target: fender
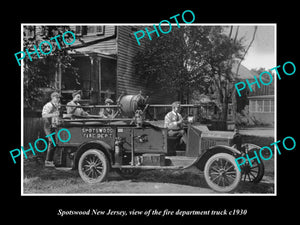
{"points": [[101, 145], [225, 147], [251, 146], [200, 163]]}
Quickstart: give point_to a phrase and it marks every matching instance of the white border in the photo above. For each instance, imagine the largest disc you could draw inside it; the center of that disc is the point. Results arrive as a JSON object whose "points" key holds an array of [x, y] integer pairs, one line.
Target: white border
{"points": [[275, 108], [154, 194], [22, 114]]}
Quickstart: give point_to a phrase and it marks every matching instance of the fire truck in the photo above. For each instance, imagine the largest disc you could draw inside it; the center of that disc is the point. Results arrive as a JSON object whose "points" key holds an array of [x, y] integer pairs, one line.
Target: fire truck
{"points": [[129, 143]]}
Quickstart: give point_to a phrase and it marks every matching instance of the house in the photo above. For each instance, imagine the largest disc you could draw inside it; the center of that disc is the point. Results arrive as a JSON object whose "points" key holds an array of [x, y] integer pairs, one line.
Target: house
{"points": [[105, 58], [260, 100], [261, 107]]}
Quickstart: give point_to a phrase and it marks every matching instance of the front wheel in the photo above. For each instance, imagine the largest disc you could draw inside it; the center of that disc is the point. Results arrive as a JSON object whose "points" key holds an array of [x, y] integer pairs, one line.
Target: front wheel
{"points": [[93, 166], [221, 172]]}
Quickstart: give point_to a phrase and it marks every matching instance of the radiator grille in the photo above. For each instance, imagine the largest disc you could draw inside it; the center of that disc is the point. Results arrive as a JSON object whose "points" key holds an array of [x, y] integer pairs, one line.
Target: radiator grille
{"points": [[206, 143]]}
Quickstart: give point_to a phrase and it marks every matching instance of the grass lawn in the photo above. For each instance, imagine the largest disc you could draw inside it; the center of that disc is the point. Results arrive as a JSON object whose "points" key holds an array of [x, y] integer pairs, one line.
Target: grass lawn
{"points": [[40, 180]]}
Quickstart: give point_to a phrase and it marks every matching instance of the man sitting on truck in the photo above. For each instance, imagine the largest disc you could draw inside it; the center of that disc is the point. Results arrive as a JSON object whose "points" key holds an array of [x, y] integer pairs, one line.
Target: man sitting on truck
{"points": [[173, 121], [107, 112], [77, 111]]}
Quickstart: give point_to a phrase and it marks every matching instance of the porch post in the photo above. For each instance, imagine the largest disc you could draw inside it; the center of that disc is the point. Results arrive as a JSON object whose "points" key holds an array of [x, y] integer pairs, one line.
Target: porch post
{"points": [[58, 76]]}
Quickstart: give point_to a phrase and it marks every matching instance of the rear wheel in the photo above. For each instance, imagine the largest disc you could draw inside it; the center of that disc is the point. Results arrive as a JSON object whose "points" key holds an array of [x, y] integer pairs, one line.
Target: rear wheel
{"points": [[252, 173], [221, 172], [93, 166]]}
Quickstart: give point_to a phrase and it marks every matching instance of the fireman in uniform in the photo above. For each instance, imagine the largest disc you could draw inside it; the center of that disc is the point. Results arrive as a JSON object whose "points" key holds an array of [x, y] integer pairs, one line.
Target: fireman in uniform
{"points": [[174, 123]]}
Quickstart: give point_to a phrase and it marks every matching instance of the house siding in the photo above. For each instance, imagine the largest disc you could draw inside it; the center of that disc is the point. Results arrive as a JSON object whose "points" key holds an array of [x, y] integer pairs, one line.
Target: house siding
{"points": [[127, 48], [127, 80]]}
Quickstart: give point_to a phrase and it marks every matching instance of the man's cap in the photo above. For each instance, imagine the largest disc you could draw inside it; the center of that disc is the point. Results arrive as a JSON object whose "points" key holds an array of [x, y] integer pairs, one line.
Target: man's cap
{"points": [[55, 94], [76, 93], [175, 104], [108, 100]]}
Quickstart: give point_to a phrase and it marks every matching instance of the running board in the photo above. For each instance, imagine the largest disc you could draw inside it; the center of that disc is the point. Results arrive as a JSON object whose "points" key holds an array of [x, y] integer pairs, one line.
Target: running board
{"points": [[172, 162], [182, 161], [148, 167]]}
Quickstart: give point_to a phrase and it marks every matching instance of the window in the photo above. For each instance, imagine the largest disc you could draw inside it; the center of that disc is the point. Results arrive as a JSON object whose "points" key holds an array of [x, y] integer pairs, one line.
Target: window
{"points": [[89, 30], [108, 79], [264, 106], [272, 105], [252, 107], [259, 105], [95, 30], [78, 30], [29, 31], [267, 106]]}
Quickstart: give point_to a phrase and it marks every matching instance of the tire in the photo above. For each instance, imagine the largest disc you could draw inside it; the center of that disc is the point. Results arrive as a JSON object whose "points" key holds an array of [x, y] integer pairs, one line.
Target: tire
{"points": [[128, 173], [93, 166], [221, 172], [253, 173]]}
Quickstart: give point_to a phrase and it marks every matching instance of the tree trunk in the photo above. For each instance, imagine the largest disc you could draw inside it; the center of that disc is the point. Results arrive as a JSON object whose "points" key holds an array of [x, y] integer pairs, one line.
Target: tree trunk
{"points": [[224, 115], [179, 96]]}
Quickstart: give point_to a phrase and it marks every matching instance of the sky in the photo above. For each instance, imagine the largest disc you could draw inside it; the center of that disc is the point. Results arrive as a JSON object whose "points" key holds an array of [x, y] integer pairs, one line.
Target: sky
{"points": [[262, 51]]}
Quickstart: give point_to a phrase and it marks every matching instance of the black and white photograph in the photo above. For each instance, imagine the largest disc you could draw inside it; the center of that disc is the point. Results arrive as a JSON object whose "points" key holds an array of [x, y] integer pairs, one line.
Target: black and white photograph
{"points": [[165, 109]]}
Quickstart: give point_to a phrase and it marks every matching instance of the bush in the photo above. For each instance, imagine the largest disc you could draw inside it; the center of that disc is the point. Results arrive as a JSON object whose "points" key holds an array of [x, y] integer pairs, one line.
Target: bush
{"points": [[244, 119]]}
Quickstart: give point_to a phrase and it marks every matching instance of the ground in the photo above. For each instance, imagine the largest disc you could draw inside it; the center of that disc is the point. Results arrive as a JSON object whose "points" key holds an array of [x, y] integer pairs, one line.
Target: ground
{"points": [[39, 180]]}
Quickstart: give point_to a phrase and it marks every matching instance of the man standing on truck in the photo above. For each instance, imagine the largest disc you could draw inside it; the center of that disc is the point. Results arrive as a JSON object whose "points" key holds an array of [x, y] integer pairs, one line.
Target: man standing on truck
{"points": [[49, 113], [173, 121]]}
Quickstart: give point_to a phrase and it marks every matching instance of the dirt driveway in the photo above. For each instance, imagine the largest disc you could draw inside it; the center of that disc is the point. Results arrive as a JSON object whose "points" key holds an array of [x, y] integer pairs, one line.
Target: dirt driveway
{"points": [[38, 180]]}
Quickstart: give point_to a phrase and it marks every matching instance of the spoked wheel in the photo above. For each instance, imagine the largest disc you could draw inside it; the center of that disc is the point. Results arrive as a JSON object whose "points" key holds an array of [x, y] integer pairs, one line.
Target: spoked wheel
{"points": [[221, 172], [128, 173], [252, 173], [93, 166]]}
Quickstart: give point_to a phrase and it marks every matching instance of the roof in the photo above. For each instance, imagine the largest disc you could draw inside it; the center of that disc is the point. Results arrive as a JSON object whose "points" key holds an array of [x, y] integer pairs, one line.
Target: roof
{"points": [[105, 48], [261, 97], [244, 72], [104, 45]]}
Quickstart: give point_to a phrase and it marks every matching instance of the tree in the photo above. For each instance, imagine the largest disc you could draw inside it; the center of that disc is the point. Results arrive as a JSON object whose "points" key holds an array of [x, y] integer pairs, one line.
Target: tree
{"points": [[222, 52], [39, 73], [166, 61], [192, 58], [244, 98]]}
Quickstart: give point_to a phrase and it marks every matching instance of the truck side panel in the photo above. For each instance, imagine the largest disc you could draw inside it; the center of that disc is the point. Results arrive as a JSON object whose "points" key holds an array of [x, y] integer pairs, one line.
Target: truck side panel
{"points": [[87, 133], [146, 140]]}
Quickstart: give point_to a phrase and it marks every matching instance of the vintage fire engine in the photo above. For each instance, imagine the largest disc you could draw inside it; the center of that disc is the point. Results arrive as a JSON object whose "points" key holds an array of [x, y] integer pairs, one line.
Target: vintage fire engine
{"points": [[129, 143]]}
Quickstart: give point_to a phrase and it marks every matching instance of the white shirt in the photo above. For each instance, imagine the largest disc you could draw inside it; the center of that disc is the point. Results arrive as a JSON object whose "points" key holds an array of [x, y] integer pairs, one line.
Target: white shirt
{"points": [[49, 108], [171, 120]]}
